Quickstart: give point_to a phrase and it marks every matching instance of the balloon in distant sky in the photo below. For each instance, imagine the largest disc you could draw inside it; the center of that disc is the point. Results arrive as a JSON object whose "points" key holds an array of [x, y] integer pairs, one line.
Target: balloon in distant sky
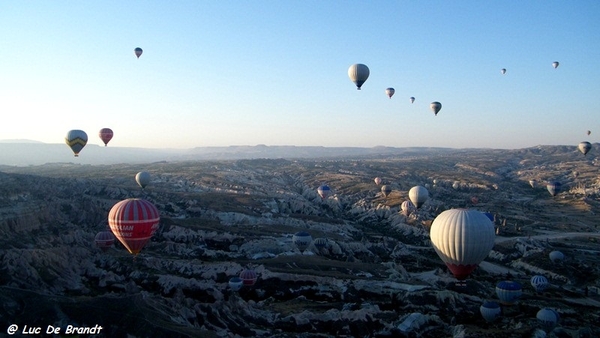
{"points": [[76, 139], [556, 256], [104, 240], [555, 64], [235, 283], [584, 147], [418, 195], [412, 99], [106, 134], [249, 277], [358, 74], [547, 318], [539, 283], [324, 191], [390, 92], [386, 190], [509, 292], [302, 240], [378, 180], [138, 52], [133, 221], [435, 107], [503, 71], [142, 178], [490, 311], [553, 187], [589, 132], [462, 238], [407, 208]]}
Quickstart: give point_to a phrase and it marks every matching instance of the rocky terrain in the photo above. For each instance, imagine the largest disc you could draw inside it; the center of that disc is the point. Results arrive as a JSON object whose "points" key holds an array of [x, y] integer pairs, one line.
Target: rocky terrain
{"points": [[377, 277]]}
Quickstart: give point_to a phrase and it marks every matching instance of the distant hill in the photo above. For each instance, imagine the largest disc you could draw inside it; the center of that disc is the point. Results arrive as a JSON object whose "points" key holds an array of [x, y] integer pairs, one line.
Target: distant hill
{"points": [[27, 152]]}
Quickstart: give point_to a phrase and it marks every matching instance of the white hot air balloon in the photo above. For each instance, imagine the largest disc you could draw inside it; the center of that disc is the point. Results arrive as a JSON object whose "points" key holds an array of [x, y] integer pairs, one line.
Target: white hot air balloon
{"points": [[555, 64], [584, 147], [390, 92], [358, 74], [503, 71], [418, 195], [556, 256], [539, 283], [378, 180], [407, 208], [435, 107], [142, 178], [462, 238], [490, 311]]}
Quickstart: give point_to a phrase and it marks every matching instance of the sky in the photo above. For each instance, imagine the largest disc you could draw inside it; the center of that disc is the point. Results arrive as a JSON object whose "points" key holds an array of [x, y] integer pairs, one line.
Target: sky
{"points": [[221, 73]]}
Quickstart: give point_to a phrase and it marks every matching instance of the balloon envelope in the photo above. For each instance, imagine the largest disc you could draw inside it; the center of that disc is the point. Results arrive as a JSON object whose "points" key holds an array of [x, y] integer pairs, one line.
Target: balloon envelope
{"points": [[104, 240], [302, 240], [378, 180], [547, 318], [138, 52], [390, 92], [248, 277], [553, 187], [236, 283], [76, 140], [412, 99], [556, 256], [386, 190], [407, 208], [490, 311], [133, 221], [358, 74], [106, 134], [555, 64], [324, 191], [418, 195], [584, 147], [142, 178], [509, 292], [435, 107], [321, 243], [462, 238], [539, 283], [503, 71]]}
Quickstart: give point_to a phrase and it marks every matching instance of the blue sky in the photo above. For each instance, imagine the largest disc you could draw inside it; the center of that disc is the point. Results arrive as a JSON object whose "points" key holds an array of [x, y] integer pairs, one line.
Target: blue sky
{"points": [[219, 73]]}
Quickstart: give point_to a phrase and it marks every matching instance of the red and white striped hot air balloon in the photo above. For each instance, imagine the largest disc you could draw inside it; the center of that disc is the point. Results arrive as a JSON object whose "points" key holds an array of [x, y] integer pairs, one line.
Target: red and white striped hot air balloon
{"points": [[133, 221], [462, 238]]}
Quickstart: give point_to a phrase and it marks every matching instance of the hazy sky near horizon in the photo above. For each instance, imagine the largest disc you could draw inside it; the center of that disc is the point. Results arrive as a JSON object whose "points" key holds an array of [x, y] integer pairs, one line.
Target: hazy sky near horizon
{"points": [[219, 73]]}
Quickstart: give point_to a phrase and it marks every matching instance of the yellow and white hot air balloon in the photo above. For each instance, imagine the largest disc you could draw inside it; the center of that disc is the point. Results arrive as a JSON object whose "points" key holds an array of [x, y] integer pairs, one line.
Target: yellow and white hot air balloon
{"points": [[76, 140]]}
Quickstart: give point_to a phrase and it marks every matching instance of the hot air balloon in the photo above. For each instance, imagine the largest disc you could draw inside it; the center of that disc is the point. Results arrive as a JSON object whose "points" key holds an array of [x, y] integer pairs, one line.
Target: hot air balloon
{"points": [[462, 238], [532, 183], [556, 256], [248, 277], [539, 283], [142, 178], [589, 132], [503, 71], [490, 311], [138, 52], [235, 283], [302, 240], [133, 221], [390, 92], [324, 191], [104, 240], [407, 208], [378, 180], [412, 99], [584, 147], [548, 318], [321, 243], [555, 64], [435, 107], [509, 292], [553, 187], [76, 139], [474, 200], [358, 74], [386, 190], [106, 134], [418, 195]]}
